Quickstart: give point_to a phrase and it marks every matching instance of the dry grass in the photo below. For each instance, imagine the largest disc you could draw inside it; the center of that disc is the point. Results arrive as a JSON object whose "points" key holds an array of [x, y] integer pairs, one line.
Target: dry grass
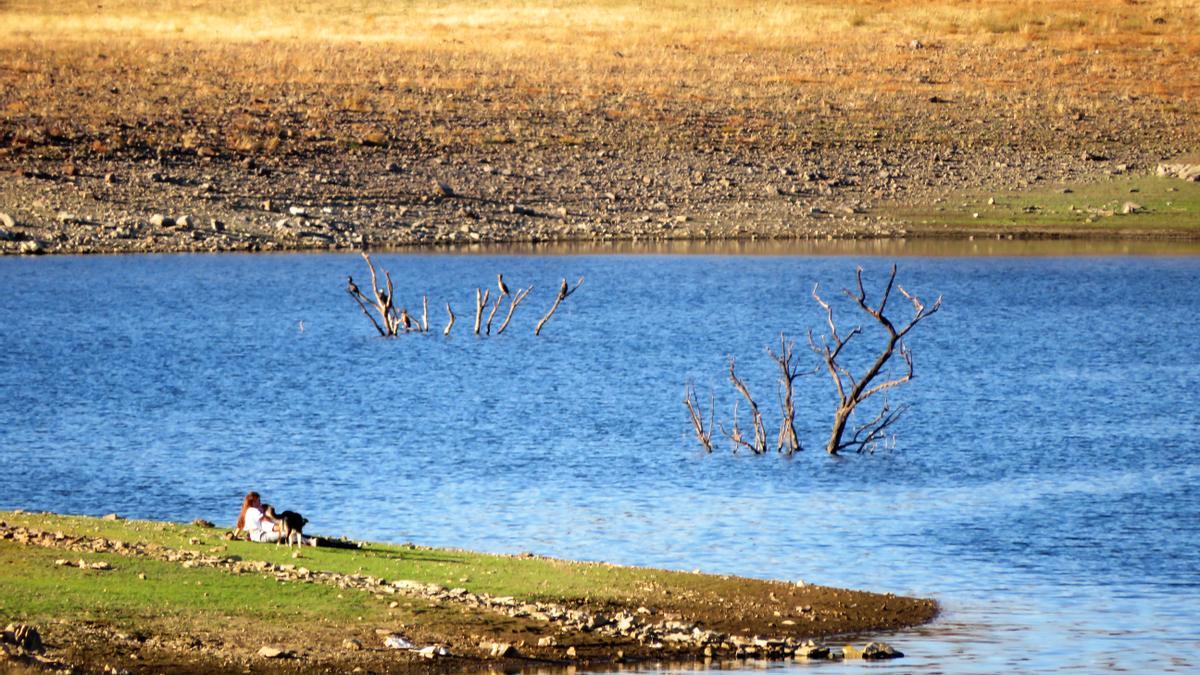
{"points": [[222, 76]]}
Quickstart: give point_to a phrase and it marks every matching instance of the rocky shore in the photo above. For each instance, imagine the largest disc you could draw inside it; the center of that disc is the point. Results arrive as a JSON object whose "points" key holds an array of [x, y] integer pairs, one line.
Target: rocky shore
{"points": [[384, 200]]}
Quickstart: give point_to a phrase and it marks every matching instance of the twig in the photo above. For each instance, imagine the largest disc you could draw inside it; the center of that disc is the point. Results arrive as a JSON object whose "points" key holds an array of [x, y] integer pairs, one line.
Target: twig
{"points": [[563, 293], [512, 306]]}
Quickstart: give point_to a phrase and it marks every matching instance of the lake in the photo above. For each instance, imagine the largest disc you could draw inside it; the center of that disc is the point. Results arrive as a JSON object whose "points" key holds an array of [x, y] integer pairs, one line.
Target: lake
{"points": [[1044, 486]]}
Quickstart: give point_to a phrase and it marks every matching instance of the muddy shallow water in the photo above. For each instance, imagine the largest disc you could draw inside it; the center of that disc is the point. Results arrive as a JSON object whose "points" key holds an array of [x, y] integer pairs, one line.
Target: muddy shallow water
{"points": [[1044, 486]]}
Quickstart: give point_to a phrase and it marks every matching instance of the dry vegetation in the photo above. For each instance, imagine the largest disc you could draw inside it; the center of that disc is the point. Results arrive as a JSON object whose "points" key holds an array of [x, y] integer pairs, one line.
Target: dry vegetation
{"points": [[613, 114]]}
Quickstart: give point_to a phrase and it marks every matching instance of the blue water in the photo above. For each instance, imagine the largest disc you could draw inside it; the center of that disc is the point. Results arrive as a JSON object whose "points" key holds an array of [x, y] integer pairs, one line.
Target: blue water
{"points": [[1045, 486]]}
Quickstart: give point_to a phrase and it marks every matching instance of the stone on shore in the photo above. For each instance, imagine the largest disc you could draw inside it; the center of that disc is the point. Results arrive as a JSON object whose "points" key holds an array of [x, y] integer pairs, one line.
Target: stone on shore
{"points": [[268, 652], [1183, 170], [24, 636], [880, 650], [812, 650]]}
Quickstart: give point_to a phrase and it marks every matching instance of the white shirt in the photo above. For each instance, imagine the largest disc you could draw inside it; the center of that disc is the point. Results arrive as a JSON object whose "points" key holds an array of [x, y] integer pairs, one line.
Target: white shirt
{"points": [[256, 524]]}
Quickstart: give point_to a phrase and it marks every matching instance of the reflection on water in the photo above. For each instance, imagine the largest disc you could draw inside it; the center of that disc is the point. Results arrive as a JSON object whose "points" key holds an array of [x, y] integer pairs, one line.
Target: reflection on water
{"points": [[924, 247], [1045, 490]]}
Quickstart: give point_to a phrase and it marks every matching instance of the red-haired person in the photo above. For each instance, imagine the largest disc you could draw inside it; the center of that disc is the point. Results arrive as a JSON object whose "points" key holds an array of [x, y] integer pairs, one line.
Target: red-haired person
{"points": [[254, 522]]}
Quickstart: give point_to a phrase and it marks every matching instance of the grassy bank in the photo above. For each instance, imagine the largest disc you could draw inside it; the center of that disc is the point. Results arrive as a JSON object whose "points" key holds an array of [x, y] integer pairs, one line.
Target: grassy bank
{"points": [[1122, 206], [147, 594]]}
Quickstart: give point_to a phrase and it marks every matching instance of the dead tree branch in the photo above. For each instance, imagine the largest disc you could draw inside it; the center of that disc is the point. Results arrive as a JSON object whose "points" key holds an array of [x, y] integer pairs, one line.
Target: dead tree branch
{"points": [[704, 435], [495, 306], [352, 289], [760, 433], [451, 322], [735, 435], [481, 301], [564, 292], [787, 442], [852, 391], [512, 307], [388, 324], [424, 313]]}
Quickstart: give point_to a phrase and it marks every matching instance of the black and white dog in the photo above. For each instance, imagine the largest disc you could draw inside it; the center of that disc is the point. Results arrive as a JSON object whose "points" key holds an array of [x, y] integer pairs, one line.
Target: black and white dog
{"points": [[289, 525]]}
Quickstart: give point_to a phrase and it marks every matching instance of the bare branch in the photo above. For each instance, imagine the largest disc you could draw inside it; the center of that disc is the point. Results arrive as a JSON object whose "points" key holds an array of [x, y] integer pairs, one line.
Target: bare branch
{"points": [[512, 307], [564, 292], [361, 299], [760, 434], [451, 323], [495, 306], [785, 359], [735, 435], [481, 301], [703, 435], [424, 313], [865, 386]]}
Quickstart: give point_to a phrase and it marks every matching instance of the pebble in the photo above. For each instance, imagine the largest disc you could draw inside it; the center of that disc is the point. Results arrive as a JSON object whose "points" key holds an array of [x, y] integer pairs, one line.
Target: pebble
{"points": [[268, 652], [7, 220], [159, 220]]}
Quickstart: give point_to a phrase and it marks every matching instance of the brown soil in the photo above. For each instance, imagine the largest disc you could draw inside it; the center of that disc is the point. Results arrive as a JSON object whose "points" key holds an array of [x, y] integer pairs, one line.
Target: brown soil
{"points": [[292, 145]]}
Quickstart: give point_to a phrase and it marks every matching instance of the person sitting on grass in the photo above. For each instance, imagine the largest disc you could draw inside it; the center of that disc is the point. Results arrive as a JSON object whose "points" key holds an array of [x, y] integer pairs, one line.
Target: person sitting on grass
{"points": [[254, 522], [259, 521]]}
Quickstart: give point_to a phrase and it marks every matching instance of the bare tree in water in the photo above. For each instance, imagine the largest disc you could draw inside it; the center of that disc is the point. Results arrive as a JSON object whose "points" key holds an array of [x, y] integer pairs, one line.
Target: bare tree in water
{"points": [[854, 390]]}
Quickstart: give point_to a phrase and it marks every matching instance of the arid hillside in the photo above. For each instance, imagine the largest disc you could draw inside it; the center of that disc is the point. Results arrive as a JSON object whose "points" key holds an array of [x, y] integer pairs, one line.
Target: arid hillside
{"points": [[320, 124]]}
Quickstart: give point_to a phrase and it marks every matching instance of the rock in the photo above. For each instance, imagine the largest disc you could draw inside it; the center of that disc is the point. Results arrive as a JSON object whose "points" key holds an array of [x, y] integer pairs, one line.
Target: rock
{"points": [[1189, 171], [916, 44], [397, 642], [442, 189], [159, 220], [571, 652], [268, 652], [102, 565], [433, 651], [1092, 157], [217, 226], [24, 636], [67, 218], [812, 650], [503, 650], [880, 650], [184, 222], [32, 247], [851, 652], [7, 220], [351, 644], [548, 641], [110, 516], [200, 522], [297, 210], [1131, 207]]}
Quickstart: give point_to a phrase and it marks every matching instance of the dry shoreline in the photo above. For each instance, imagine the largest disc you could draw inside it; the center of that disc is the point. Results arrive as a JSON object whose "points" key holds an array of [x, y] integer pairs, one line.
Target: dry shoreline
{"points": [[450, 124]]}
